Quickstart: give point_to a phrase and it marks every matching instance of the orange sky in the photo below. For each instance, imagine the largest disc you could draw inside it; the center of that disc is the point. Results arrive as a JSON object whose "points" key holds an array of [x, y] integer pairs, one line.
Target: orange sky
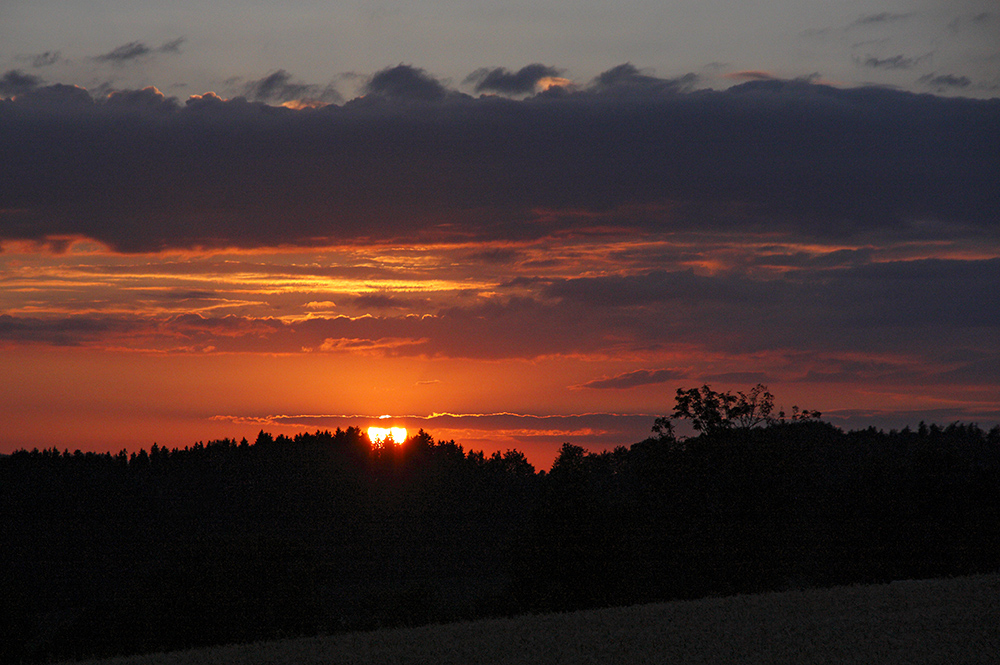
{"points": [[180, 347], [212, 268]]}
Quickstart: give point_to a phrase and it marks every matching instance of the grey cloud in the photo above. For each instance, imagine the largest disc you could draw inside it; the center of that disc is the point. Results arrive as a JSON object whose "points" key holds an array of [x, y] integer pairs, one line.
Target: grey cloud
{"points": [[882, 17], [624, 74], [125, 52], [979, 20], [945, 81], [45, 59], [406, 82], [866, 306], [639, 377], [752, 75], [149, 99], [72, 331], [628, 76], [137, 50], [54, 100], [894, 62], [15, 82], [785, 157], [279, 87], [983, 371], [173, 46], [501, 80]]}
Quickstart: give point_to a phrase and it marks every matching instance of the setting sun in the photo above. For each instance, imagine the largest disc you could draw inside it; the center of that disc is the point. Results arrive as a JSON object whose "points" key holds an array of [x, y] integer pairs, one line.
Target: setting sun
{"points": [[379, 435]]}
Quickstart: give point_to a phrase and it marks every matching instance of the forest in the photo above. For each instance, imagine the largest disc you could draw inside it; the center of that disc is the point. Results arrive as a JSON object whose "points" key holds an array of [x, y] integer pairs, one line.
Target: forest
{"points": [[236, 541]]}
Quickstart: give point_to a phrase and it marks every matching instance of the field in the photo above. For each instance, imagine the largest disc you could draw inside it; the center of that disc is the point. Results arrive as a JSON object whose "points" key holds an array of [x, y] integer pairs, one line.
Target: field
{"points": [[931, 621]]}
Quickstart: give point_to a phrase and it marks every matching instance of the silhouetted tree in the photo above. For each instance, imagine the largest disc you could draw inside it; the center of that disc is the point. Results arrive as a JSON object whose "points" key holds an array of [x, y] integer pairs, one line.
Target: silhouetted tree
{"points": [[712, 412]]}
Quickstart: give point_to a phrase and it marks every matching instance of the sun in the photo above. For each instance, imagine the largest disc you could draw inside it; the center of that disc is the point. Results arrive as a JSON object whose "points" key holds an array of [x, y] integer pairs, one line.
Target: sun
{"points": [[379, 435]]}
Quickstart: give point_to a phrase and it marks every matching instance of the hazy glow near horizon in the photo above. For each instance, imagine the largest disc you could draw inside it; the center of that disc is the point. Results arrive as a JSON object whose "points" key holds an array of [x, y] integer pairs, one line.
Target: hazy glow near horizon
{"points": [[379, 435]]}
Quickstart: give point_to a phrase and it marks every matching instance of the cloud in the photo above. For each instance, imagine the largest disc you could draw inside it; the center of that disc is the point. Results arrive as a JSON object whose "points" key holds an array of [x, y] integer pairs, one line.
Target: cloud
{"points": [[752, 75], [56, 99], [136, 50], [173, 46], [15, 82], [894, 62], [495, 255], [149, 99], [887, 310], [523, 81], [945, 81], [71, 331], [629, 77], [382, 301], [881, 18], [979, 20], [44, 59], [788, 157], [279, 87], [405, 82], [125, 52], [639, 377]]}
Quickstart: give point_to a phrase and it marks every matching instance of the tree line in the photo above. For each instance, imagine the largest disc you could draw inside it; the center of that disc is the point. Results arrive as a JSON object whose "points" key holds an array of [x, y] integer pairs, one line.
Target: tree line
{"points": [[232, 541]]}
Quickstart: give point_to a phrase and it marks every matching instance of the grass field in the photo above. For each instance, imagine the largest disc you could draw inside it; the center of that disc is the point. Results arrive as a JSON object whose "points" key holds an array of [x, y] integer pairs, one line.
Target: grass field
{"points": [[932, 621]]}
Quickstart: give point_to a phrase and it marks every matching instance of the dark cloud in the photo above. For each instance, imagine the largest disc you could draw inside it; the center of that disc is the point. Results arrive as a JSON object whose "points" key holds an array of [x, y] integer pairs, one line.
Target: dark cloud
{"points": [[753, 75], [746, 378], [149, 99], [923, 308], [945, 81], [844, 308], [382, 301], [628, 77], [785, 157], [495, 255], [173, 46], [45, 59], [894, 62], [640, 377], [279, 87], [137, 50], [882, 18], [405, 82], [125, 52], [653, 288], [73, 331], [15, 82], [53, 100], [522, 82], [984, 371]]}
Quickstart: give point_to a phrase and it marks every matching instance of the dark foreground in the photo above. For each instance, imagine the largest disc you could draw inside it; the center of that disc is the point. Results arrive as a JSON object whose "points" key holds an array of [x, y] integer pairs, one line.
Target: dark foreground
{"points": [[932, 621], [229, 542]]}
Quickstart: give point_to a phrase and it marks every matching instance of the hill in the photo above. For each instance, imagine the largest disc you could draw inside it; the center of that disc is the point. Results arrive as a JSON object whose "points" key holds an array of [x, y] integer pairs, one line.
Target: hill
{"points": [[928, 621]]}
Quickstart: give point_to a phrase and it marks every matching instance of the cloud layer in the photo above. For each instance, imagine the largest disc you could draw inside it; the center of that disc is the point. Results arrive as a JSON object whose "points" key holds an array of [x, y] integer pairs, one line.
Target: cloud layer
{"points": [[412, 159]]}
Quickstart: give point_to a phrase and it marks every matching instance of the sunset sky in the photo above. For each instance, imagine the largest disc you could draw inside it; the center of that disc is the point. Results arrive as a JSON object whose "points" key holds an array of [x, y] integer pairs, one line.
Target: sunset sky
{"points": [[509, 224]]}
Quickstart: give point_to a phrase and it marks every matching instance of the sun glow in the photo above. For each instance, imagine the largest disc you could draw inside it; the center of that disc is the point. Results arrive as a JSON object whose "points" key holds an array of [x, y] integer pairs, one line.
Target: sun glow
{"points": [[380, 435]]}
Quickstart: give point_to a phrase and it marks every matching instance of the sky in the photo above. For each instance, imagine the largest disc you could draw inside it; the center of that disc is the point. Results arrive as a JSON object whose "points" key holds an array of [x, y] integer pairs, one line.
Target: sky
{"points": [[513, 225]]}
